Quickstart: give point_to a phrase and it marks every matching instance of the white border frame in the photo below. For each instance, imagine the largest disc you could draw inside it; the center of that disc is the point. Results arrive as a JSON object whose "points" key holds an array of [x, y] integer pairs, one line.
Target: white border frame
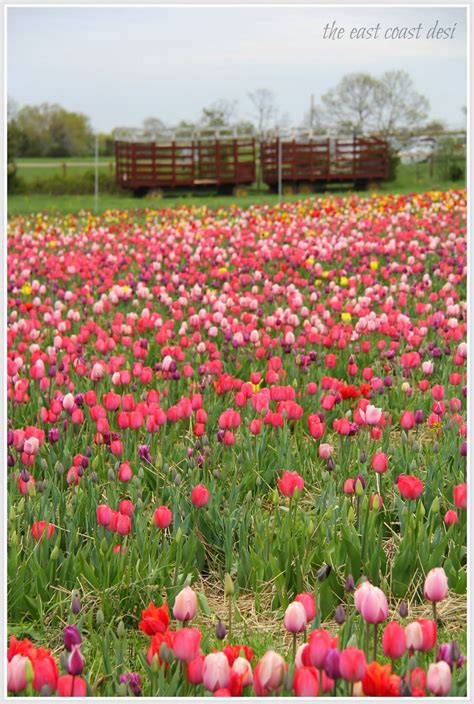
{"points": [[3, 318]]}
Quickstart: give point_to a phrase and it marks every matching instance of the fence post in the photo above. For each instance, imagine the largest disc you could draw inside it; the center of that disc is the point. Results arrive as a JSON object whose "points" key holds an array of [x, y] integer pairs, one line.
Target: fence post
{"points": [[280, 169], [96, 180]]}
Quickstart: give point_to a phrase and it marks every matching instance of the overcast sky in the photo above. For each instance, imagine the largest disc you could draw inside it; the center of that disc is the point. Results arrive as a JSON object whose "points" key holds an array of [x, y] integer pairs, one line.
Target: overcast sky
{"points": [[121, 65]]}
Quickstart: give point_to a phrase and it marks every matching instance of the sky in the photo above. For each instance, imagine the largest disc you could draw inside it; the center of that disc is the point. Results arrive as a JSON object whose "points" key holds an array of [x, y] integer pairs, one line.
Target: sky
{"points": [[120, 65]]}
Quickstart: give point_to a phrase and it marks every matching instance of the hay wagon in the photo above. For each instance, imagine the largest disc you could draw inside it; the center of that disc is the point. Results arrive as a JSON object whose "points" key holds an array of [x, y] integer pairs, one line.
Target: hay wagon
{"points": [[223, 161], [305, 162]]}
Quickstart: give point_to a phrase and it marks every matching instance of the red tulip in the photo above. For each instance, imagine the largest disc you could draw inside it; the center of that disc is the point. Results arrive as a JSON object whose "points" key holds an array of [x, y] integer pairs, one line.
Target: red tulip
{"points": [[306, 682], [352, 664], [124, 524], [199, 495], [394, 640], [155, 619], [407, 420], [163, 517], [379, 462], [126, 507], [410, 487], [289, 483], [451, 517], [69, 686], [460, 495], [194, 669], [39, 528], [308, 601], [125, 472], [318, 645], [45, 670], [186, 643]]}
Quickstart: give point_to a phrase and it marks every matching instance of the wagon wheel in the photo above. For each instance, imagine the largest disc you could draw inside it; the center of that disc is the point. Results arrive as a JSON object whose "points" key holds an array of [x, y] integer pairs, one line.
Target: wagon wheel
{"points": [[288, 189], [239, 191], [305, 187], [156, 193]]}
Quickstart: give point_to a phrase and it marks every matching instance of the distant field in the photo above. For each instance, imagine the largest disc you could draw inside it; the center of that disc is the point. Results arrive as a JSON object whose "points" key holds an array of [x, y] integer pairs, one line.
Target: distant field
{"points": [[45, 167], [410, 178]]}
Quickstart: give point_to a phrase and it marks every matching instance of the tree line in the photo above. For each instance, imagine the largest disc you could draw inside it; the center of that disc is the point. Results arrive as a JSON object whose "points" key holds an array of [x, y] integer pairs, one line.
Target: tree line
{"points": [[359, 104]]}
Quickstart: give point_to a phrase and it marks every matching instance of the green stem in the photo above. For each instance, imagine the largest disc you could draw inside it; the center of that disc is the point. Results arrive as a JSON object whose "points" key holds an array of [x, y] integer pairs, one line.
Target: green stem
{"points": [[351, 688], [230, 618], [321, 683], [294, 647], [367, 640], [375, 641]]}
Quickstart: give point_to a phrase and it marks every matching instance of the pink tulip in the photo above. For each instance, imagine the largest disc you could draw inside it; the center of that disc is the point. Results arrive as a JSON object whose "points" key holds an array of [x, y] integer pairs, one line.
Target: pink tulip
{"points": [[373, 604], [295, 617], [16, 673], [215, 671], [439, 678], [268, 674], [436, 585], [185, 605], [243, 668]]}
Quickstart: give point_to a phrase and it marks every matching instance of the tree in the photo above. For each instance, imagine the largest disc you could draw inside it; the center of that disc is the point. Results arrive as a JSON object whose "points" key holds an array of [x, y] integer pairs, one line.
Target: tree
{"points": [[350, 106], [219, 114], [398, 106], [50, 130], [154, 125], [265, 109]]}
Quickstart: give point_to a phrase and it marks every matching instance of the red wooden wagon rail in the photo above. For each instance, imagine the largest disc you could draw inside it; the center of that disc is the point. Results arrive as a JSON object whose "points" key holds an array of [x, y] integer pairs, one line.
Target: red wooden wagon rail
{"points": [[316, 161], [226, 161]]}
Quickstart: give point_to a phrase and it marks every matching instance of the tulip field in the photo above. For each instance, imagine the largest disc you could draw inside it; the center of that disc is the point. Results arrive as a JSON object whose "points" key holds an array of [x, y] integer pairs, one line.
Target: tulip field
{"points": [[237, 450]]}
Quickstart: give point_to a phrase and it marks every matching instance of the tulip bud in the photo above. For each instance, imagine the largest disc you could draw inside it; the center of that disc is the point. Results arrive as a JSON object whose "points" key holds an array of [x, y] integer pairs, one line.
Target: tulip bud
{"points": [[455, 651], [121, 629], [350, 584], [75, 665], [29, 672], [228, 585], [403, 609], [99, 617], [359, 489], [166, 654], [405, 689], [54, 553], [45, 691], [288, 681], [75, 604], [220, 631], [435, 505], [63, 659], [340, 615], [323, 572]]}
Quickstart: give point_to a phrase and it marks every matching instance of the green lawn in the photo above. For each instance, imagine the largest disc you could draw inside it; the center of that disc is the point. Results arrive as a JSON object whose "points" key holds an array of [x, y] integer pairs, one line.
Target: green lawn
{"points": [[44, 167], [412, 178]]}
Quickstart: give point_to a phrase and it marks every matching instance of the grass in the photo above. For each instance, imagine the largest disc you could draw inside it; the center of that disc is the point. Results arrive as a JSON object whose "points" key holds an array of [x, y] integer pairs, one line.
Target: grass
{"points": [[410, 178]]}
